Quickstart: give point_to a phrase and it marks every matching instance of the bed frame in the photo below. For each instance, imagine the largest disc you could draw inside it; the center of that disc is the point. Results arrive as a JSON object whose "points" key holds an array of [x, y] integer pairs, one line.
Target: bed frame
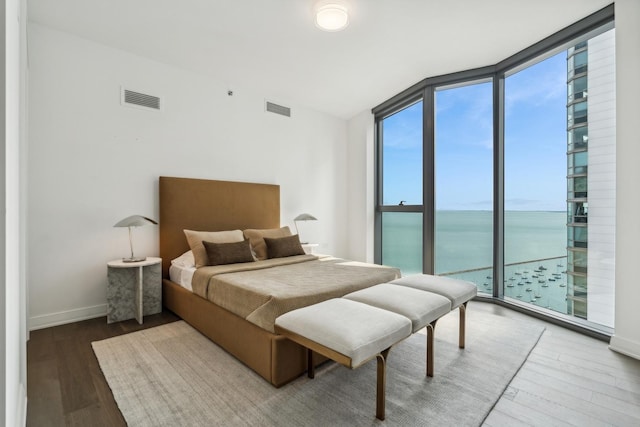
{"points": [[208, 205]]}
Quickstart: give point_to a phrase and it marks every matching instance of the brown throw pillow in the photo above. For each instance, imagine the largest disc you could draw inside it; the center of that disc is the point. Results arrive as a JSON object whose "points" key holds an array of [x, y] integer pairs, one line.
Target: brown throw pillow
{"points": [[228, 253], [256, 237], [195, 239], [284, 246]]}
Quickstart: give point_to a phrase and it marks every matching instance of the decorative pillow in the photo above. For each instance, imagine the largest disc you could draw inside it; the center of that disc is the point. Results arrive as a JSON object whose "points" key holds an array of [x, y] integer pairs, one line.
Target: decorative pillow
{"points": [[284, 246], [195, 239], [185, 260], [256, 237], [228, 253]]}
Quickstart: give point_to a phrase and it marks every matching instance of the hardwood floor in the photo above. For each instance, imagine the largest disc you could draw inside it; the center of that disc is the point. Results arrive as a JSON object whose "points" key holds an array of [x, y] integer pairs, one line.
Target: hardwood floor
{"points": [[65, 386], [568, 379]]}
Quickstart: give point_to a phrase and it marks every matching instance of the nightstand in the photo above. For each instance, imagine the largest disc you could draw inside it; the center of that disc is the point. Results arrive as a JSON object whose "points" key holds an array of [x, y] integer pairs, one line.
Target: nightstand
{"points": [[134, 289], [309, 248]]}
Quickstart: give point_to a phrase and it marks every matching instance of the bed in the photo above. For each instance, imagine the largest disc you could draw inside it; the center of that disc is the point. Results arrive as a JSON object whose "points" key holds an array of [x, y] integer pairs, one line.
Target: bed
{"points": [[209, 205]]}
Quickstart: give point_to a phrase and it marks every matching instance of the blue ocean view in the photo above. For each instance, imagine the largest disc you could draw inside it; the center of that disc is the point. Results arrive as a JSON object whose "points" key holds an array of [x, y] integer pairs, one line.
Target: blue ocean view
{"points": [[535, 251]]}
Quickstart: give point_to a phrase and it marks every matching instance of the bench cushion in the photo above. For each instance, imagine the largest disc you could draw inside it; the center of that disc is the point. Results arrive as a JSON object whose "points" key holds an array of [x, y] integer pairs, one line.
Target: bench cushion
{"points": [[458, 291], [419, 306], [356, 330]]}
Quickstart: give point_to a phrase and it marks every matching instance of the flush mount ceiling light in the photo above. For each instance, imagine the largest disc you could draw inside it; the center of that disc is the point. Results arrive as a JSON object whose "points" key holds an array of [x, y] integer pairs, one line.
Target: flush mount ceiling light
{"points": [[331, 16]]}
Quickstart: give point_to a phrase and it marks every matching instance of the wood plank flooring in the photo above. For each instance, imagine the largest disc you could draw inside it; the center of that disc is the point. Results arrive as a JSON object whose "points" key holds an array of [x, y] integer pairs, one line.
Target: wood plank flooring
{"points": [[568, 380], [65, 386]]}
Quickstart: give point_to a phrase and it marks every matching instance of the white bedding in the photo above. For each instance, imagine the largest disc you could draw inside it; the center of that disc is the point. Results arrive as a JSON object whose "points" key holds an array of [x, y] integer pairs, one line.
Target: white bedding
{"points": [[182, 275]]}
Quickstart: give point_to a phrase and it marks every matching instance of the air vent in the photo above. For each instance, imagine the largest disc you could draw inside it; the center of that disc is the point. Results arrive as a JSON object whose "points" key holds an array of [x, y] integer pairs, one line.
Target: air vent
{"points": [[278, 109], [137, 99]]}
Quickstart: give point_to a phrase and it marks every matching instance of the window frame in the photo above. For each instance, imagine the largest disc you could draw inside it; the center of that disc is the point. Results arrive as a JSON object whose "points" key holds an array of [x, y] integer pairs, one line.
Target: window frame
{"points": [[571, 36]]}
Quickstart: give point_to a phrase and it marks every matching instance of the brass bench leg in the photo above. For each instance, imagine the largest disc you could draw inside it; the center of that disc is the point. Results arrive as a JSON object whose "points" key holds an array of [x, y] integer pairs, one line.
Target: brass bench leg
{"points": [[463, 311], [311, 367], [430, 341], [381, 383]]}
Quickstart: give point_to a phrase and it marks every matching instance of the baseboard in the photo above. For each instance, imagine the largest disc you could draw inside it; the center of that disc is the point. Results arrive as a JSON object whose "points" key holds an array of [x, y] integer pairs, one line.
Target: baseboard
{"points": [[69, 316], [625, 346]]}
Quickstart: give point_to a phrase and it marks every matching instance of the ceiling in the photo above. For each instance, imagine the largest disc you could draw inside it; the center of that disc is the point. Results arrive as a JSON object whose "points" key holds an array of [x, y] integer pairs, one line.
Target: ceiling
{"points": [[272, 47]]}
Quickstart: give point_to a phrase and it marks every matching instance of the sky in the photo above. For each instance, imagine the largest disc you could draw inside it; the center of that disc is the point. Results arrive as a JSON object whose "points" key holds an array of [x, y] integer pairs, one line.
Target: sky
{"points": [[535, 144]]}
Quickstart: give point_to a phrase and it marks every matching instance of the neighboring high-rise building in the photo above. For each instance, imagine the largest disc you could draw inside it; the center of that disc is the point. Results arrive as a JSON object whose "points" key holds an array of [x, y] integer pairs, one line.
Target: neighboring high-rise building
{"points": [[591, 179]]}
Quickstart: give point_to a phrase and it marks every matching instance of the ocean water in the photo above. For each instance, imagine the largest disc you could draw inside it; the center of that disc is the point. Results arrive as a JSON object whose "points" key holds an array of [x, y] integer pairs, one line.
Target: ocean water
{"points": [[535, 251]]}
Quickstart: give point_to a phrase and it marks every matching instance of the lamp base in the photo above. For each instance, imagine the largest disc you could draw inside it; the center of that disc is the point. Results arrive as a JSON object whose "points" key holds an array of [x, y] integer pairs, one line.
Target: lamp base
{"points": [[135, 259]]}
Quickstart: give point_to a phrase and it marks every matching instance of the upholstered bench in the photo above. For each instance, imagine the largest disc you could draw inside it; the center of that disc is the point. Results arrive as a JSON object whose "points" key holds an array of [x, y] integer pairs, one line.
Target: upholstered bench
{"points": [[459, 292], [422, 308], [348, 332], [367, 323]]}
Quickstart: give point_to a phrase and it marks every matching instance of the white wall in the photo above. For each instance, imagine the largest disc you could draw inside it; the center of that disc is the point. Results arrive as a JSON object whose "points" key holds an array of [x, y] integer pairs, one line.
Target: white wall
{"points": [[12, 303], [627, 318], [361, 187], [93, 162]]}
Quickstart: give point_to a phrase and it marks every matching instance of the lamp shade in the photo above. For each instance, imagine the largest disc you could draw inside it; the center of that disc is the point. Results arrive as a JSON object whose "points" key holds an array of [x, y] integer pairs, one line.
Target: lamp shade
{"points": [[305, 217], [135, 221]]}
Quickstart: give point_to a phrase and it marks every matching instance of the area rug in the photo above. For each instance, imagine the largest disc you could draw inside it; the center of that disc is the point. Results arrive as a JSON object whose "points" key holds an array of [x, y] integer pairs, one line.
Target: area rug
{"points": [[171, 375]]}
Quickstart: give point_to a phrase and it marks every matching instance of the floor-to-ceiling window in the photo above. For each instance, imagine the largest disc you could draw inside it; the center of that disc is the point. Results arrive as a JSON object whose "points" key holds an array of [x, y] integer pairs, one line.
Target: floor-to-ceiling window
{"points": [[400, 153], [505, 176], [463, 147], [535, 182]]}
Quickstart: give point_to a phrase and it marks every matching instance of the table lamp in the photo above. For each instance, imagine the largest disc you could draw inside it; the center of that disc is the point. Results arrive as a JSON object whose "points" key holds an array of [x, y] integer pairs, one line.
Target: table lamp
{"points": [[303, 217], [134, 221]]}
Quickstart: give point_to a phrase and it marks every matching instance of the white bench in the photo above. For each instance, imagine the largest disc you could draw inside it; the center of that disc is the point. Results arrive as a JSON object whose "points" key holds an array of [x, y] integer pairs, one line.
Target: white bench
{"points": [[347, 332], [365, 324], [422, 308], [459, 292]]}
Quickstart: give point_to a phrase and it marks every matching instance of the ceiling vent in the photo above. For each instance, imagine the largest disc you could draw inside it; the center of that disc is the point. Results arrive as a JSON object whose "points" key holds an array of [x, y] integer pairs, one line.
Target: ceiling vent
{"points": [[139, 100], [278, 109]]}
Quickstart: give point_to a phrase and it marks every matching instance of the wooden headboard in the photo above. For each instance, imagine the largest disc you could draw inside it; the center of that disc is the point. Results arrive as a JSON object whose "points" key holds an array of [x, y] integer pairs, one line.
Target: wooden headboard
{"points": [[207, 205]]}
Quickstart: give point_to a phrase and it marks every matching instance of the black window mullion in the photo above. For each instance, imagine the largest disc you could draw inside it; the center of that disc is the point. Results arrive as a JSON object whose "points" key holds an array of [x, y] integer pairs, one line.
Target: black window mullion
{"points": [[428, 181], [377, 238], [498, 186]]}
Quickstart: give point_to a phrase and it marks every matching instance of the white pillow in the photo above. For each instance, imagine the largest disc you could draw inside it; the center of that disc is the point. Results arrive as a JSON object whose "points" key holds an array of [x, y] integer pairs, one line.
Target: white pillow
{"points": [[185, 260]]}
